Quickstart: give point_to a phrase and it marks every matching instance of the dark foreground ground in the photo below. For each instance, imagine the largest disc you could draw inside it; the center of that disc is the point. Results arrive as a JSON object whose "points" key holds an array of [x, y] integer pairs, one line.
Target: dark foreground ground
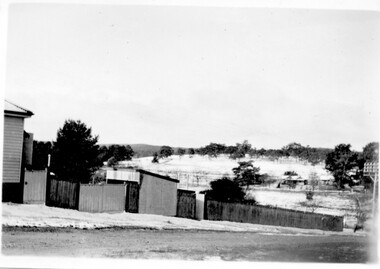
{"points": [[185, 245]]}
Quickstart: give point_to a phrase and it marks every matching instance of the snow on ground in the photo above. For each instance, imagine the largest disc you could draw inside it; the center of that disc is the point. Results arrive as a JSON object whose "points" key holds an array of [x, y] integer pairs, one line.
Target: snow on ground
{"points": [[23, 215], [223, 165], [196, 172], [330, 203]]}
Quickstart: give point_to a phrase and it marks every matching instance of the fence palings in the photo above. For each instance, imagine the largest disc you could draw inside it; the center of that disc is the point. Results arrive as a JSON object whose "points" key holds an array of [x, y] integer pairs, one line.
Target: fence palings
{"points": [[132, 197], [271, 216], [63, 194], [186, 204], [102, 198], [35, 187]]}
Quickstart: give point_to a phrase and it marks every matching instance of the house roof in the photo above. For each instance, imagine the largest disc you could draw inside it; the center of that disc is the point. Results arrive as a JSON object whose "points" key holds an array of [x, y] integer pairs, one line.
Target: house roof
{"points": [[11, 109], [326, 177], [295, 178], [157, 175]]}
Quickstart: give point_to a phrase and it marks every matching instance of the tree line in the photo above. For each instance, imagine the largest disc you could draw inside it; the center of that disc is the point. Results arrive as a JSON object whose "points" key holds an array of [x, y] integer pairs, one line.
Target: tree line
{"points": [[240, 150], [76, 155], [347, 166]]}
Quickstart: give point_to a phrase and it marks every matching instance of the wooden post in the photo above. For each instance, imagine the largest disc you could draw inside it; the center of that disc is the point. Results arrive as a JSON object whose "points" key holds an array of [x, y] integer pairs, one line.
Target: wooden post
{"points": [[48, 182], [371, 170], [374, 195]]}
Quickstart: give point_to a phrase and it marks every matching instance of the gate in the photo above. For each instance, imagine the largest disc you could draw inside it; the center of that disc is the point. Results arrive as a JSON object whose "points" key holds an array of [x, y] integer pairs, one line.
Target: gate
{"points": [[35, 187], [186, 204], [132, 197], [63, 194]]}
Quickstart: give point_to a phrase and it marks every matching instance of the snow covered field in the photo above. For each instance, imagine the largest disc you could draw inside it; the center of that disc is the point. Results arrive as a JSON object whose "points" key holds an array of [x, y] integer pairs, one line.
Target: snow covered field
{"points": [[22, 215], [223, 165], [196, 172], [331, 203]]}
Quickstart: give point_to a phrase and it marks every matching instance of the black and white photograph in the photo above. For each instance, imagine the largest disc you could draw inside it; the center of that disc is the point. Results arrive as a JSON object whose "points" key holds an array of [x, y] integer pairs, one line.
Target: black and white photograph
{"points": [[217, 132]]}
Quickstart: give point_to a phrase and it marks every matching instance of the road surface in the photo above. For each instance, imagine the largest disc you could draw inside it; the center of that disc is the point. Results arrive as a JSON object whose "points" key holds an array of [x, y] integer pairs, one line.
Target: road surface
{"points": [[185, 245]]}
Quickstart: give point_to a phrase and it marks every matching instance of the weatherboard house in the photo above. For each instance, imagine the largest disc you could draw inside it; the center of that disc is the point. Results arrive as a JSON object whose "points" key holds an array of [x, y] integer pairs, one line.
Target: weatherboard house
{"points": [[17, 151]]}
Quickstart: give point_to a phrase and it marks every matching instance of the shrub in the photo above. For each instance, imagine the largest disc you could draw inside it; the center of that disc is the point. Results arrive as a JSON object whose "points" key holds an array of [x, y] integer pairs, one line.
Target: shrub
{"points": [[225, 190], [111, 162], [155, 158], [311, 205], [309, 195], [290, 173], [313, 184], [98, 177]]}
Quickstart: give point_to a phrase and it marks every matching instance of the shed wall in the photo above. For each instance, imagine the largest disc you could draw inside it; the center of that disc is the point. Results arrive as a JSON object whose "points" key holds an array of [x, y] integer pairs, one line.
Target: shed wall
{"points": [[157, 196]]}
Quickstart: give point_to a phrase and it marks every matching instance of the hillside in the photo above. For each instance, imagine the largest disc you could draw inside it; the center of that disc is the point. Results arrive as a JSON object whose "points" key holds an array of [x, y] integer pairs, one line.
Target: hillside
{"points": [[198, 171], [223, 165], [142, 150]]}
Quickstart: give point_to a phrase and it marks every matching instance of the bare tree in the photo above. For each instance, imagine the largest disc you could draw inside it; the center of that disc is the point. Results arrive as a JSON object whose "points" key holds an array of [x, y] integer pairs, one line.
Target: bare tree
{"points": [[313, 184]]}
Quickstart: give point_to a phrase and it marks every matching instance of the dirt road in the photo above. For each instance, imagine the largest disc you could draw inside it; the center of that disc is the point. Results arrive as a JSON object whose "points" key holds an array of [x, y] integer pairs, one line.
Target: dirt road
{"points": [[184, 245]]}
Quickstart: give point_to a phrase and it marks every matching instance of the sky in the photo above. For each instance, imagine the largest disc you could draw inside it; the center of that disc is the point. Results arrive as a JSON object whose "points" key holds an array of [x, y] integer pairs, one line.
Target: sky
{"points": [[190, 75]]}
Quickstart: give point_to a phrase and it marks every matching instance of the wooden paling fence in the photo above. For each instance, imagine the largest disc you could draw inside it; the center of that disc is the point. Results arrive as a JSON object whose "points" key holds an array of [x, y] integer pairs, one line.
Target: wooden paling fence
{"points": [[64, 194], [271, 216], [35, 187], [102, 198], [186, 204], [132, 190]]}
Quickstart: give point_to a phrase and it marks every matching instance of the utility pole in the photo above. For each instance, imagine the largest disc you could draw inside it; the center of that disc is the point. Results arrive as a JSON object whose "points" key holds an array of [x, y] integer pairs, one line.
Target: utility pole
{"points": [[372, 170]]}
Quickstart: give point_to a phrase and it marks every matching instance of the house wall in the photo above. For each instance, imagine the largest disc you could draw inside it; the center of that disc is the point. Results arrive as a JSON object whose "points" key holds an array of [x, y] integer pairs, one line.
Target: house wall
{"points": [[157, 196], [12, 157], [28, 149], [12, 150]]}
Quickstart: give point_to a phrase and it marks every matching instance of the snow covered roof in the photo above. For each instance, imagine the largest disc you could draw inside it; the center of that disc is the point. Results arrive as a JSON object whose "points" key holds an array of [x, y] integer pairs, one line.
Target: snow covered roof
{"points": [[326, 177], [133, 175], [294, 178], [11, 109], [157, 175]]}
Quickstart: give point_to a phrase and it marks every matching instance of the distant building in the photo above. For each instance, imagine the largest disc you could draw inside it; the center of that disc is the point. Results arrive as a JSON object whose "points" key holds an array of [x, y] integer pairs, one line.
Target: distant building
{"points": [[17, 151]]}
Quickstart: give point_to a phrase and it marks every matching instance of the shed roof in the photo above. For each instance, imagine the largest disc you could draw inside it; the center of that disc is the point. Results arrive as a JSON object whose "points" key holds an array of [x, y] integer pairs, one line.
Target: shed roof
{"points": [[12, 109], [294, 178], [157, 175]]}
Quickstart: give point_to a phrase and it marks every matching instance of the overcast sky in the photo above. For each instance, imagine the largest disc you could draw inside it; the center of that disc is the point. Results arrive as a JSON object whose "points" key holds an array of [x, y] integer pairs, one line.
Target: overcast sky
{"points": [[188, 76]]}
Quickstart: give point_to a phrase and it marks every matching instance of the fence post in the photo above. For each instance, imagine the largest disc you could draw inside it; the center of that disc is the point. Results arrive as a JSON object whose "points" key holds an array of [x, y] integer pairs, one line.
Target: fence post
{"points": [[126, 191], [205, 215], [47, 193], [77, 184]]}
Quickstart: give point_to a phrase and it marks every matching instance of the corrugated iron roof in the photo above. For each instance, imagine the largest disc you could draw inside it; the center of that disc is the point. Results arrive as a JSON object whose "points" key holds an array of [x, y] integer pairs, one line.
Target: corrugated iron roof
{"points": [[12, 108], [157, 175]]}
